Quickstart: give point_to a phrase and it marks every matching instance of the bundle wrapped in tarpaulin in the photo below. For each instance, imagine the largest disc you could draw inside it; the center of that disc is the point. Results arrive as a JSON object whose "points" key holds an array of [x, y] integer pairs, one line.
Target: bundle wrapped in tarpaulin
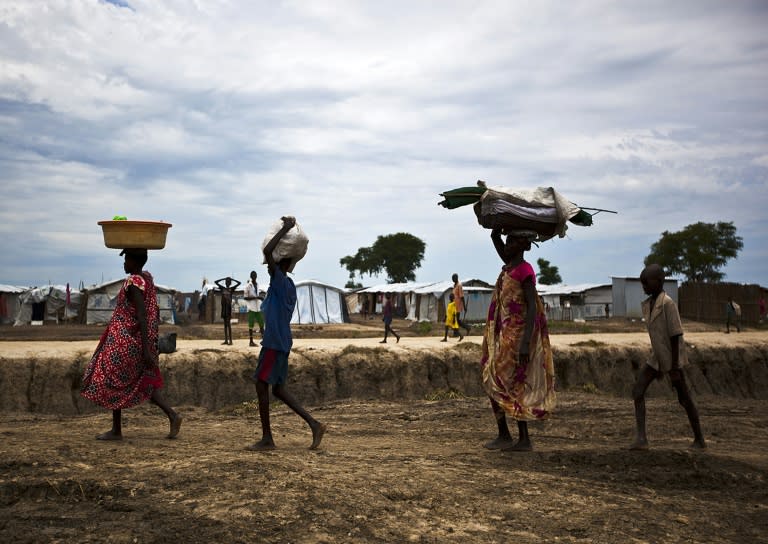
{"points": [[542, 210]]}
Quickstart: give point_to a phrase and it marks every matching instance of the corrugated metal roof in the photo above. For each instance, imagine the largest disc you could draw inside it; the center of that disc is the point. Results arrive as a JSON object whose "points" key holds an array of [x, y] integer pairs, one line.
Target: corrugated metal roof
{"points": [[564, 289], [436, 288]]}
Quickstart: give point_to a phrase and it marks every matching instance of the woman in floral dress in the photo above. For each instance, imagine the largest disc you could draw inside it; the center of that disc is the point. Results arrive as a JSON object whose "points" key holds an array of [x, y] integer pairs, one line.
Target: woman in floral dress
{"points": [[123, 371], [517, 368]]}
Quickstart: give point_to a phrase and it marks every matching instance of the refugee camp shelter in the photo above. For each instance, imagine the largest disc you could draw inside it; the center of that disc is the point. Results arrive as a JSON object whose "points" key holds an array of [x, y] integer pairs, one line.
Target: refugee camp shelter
{"points": [[10, 302], [426, 301], [628, 296], [318, 302], [585, 301], [100, 302], [50, 303]]}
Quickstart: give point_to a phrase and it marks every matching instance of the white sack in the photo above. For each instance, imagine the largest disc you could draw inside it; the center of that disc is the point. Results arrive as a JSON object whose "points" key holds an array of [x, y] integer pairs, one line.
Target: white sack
{"points": [[292, 245]]}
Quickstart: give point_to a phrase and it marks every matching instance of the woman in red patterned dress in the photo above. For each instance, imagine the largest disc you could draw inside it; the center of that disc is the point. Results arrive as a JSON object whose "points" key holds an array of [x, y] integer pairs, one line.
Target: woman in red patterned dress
{"points": [[517, 368], [123, 371]]}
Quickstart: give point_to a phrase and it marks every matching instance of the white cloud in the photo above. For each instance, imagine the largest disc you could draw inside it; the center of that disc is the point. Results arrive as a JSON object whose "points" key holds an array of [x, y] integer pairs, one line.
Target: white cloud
{"points": [[220, 116]]}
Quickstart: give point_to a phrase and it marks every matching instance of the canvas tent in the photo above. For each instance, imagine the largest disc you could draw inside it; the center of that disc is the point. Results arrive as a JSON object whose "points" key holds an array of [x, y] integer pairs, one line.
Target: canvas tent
{"points": [[100, 301], [318, 302], [427, 301], [10, 302], [49, 303]]}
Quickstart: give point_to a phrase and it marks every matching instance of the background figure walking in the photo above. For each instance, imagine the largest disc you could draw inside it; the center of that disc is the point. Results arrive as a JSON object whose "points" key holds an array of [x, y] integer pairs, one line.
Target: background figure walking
{"points": [[451, 320], [387, 318], [732, 316], [461, 303], [227, 293], [517, 368]]}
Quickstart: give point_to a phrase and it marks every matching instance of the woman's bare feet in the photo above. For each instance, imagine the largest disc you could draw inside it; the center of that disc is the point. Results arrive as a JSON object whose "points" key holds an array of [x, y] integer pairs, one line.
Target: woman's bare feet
{"points": [[110, 435], [175, 426], [698, 444], [520, 445], [317, 435], [499, 443], [265, 444]]}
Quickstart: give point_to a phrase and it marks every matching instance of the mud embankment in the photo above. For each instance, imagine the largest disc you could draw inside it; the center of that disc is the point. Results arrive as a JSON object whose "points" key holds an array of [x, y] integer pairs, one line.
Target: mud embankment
{"points": [[214, 378]]}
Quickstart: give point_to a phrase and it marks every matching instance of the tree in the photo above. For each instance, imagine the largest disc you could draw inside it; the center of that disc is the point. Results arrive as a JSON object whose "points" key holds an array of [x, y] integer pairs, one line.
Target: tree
{"points": [[548, 274], [697, 252], [399, 255]]}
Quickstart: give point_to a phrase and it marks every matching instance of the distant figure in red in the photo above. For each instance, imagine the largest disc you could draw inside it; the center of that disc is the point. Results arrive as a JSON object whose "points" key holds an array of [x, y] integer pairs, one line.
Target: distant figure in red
{"points": [[123, 371], [761, 304], [386, 313]]}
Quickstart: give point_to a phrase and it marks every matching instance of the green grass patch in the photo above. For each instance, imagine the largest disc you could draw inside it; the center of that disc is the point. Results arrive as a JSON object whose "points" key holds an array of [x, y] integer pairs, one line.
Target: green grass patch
{"points": [[590, 388], [445, 394]]}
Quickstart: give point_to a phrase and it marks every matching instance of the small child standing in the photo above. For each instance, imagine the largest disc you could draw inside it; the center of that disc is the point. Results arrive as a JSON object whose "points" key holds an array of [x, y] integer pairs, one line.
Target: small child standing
{"points": [[227, 292], [451, 319], [668, 355]]}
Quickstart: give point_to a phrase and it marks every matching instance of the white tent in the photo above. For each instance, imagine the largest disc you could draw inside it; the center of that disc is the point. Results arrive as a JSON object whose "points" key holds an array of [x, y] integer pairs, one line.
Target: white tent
{"points": [[101, 300], [10, 302], [52, 301], [318, 302]]}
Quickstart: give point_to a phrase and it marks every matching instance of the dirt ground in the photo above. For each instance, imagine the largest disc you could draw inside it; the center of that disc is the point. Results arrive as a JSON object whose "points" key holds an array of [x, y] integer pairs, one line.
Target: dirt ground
{"points": [[407, 471]]}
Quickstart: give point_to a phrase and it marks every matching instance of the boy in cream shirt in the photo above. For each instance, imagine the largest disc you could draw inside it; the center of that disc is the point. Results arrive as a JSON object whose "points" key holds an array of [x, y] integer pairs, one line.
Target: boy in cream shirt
{"points": [[668, 355]]}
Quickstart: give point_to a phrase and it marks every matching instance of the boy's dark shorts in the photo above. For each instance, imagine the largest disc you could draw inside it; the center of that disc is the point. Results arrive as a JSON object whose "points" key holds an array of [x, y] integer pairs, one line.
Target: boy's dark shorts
{"points": [[272, 367]]}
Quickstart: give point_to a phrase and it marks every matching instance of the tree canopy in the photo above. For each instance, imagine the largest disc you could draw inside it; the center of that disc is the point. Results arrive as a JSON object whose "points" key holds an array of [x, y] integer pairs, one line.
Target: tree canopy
{"points": [[548, 274], [399, 255], [697, 252]]}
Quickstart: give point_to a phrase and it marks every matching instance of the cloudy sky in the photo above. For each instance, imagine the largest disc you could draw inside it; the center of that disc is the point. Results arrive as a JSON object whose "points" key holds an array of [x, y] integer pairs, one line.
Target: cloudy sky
{"points": [[219, 116]]}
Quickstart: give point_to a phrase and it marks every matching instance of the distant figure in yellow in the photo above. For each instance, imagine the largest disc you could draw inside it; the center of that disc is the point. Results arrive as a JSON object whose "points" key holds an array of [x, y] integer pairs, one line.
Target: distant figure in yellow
{"points": [[451, 319]]}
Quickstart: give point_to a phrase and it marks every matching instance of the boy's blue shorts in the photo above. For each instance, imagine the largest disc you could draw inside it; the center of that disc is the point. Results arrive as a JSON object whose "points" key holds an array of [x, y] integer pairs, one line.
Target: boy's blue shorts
{"points": [[272, 367]]}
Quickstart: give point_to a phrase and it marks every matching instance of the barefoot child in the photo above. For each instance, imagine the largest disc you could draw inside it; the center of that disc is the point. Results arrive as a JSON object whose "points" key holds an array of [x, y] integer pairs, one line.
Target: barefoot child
{"points": [[123, 371], [227, 292], [668, 355], [517, 368], [276, 345], [451, 320]]}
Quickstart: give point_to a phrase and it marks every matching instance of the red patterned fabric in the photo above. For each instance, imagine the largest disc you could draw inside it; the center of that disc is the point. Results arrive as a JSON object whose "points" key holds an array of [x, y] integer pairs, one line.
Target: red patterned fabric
{"points": [[526, 391], [116, 377]]}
